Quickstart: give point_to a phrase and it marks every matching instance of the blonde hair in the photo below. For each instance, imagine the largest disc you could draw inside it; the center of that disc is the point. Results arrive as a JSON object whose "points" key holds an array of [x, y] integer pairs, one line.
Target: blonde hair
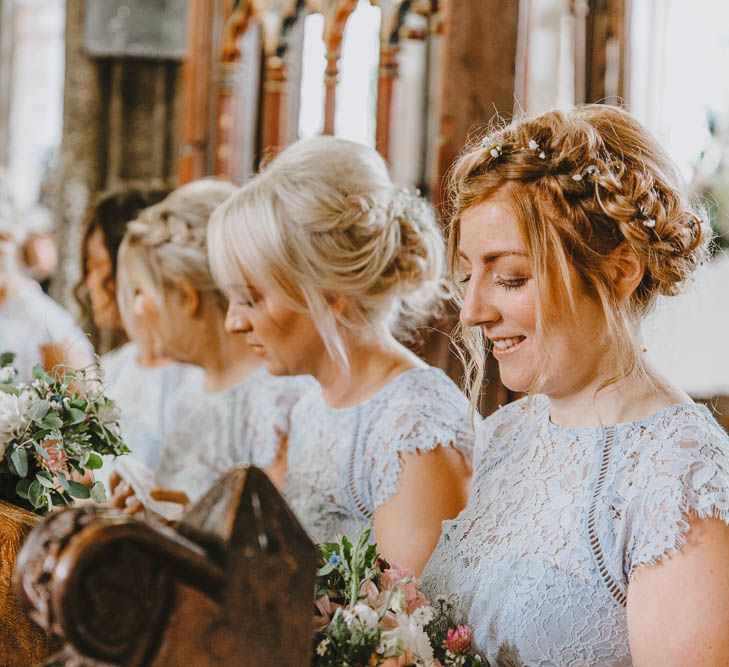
{"points": [[167, 244], [582, 183], [324, 219]]}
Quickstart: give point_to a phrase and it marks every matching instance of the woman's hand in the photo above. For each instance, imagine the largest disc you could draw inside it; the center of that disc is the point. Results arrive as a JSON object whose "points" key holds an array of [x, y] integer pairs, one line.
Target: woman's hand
{"points": [[123, 496]]}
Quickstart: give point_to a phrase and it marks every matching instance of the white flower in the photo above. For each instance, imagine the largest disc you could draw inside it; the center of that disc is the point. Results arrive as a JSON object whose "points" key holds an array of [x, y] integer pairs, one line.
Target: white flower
{"points": [[398, 601], [361, 617], [576, 177], [321, 648], [533, 144], [13, 420], [542, 155], [7, 374], [495, 152], [55, 405], [650, 223], [409, 635]]}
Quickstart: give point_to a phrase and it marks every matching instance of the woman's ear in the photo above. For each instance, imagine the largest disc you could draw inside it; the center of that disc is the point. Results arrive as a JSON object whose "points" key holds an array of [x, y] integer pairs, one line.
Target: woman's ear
{"points": [[626, 270], [189, 298]]}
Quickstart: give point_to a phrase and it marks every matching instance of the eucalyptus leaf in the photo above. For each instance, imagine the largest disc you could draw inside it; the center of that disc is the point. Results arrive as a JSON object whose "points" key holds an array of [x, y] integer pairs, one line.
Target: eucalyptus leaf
{"points": [[51, 422], [9, 389], [39, 373], [63, 481], [98, 492], [39, 410], [78, 490], [44, 480], [21, 488], [19, 457], [36, 494], [77, 416], [42, 452], [94, 462]]}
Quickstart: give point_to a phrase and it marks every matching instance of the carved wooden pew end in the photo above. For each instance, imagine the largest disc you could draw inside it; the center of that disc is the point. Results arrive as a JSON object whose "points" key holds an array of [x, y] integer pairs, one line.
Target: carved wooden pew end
{"points": [[231, 585]]}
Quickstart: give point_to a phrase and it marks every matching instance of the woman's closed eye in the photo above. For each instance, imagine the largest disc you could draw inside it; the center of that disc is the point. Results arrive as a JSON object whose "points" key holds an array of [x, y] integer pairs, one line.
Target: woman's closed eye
{"points": [[510, 283]]}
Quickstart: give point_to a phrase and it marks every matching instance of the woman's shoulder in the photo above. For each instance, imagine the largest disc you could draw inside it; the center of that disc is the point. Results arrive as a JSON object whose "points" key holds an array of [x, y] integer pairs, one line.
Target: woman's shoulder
{"points": [[421, 408], [679, 435]]}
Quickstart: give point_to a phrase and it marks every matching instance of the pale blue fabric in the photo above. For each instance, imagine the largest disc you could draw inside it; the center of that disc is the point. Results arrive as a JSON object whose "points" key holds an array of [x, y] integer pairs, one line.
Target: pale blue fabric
{"points": [[205, 435], [345, 463], [518, 560]]}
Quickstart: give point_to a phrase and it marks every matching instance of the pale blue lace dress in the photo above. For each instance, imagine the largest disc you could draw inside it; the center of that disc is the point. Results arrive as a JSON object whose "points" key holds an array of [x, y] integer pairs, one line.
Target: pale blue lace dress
{"points": [[208, 434], [345, 463], [559, 520]]}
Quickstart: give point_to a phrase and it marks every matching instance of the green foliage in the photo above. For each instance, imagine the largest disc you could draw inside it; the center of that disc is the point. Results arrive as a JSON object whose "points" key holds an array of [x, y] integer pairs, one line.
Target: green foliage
{"points": [[67, 426]]}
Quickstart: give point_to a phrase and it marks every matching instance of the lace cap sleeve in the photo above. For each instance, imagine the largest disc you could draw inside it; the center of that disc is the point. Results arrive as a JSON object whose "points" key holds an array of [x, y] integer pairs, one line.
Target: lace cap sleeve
{"points": [[268, 418], [424, 410], [678, 469]]}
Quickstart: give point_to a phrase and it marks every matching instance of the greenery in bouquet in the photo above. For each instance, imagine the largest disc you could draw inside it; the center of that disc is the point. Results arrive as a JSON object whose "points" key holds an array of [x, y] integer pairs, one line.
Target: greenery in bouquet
{"points": [[372, 613], [53, 431]]}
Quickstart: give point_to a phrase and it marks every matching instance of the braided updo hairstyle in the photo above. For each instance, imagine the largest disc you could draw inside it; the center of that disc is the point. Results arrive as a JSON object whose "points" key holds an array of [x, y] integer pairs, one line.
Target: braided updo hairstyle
{"points": [[582, 183], [324, 219], [167, 244]]}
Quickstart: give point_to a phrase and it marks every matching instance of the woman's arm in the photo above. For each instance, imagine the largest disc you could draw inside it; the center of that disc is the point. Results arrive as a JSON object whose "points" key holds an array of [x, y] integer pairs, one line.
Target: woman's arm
{"points": [[678, 610], [433, 487], [277, 470]]}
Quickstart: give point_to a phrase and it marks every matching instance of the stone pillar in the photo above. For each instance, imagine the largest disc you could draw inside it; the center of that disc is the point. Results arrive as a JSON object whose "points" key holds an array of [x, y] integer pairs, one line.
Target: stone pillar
{"points": [[120, 126]]}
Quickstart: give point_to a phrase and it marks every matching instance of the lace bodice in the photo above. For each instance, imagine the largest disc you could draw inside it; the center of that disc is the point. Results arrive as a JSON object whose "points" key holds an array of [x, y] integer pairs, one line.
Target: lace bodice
{"points": [[31, 320], [344, 463], [559, 520], [207, 434]]}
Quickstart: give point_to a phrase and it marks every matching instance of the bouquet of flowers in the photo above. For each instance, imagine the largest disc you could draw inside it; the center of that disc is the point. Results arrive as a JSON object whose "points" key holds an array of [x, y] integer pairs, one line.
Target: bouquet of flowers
{"points": [[52, 430], [372, 613]]}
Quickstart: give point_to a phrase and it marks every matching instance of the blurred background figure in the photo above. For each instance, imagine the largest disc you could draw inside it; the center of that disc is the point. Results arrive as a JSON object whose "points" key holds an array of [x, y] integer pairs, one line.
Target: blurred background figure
{"points": [[137, 379], [38, 250], [33, 326]]}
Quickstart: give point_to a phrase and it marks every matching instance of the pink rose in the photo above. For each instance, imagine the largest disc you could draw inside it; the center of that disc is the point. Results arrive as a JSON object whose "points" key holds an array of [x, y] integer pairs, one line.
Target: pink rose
{"points": [[326, 609], [395, 576], [58, 460], [458, 640]]}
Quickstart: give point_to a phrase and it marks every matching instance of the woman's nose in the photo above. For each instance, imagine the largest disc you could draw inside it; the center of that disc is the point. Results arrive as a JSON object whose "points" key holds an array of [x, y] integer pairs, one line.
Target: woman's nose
{"points": [[478, 308], [236, 321]]}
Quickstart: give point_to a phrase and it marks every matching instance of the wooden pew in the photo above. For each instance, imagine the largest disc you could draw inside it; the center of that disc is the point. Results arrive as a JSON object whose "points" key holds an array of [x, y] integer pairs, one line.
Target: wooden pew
{"points": [[231, 584]]}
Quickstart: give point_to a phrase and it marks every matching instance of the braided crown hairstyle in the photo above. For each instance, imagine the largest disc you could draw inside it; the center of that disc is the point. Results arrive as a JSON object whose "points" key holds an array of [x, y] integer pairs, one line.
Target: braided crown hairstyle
{"points": [[582, 183], [167, 244]]}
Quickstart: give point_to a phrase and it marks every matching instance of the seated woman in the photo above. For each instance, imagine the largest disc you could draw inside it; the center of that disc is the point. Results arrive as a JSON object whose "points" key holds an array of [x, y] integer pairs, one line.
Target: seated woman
{"points": [[138, 382], [239, 413], [596, 531], [323, 259], [34, 327]]}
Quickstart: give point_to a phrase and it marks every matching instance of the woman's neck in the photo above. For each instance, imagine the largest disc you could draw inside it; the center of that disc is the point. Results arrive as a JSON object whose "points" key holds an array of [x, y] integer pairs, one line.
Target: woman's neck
{"points": [[373, 363], [224, 357], [634, 397]]}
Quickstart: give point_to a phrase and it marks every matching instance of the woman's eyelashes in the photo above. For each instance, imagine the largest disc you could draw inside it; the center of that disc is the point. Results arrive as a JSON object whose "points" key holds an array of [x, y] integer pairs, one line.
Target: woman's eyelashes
{"points": [[510, 283]]}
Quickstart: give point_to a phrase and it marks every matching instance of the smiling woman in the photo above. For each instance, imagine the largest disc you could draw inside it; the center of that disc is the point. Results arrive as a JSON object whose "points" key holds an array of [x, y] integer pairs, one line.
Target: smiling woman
{"points": [[607, 488]]}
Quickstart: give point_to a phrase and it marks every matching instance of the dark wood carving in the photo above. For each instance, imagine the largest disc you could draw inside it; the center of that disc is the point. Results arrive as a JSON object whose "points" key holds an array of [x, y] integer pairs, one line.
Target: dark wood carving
{"points": [[230, 585]]}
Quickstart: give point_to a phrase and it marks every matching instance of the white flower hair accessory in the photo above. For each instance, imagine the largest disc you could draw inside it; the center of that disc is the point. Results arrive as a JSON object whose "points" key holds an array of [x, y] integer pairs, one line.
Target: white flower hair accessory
{"points": [[590, 171], [495, 152]]}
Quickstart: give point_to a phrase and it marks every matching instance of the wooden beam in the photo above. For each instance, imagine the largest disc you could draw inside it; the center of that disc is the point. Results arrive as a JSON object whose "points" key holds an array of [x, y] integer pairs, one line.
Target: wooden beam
{"points": [[197, 84], [478, 81], [607, 57]]}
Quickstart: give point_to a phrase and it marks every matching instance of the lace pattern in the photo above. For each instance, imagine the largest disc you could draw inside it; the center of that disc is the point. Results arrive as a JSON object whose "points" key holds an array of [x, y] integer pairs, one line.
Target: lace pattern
{"points": [[344, 464], [560, 519], [207, 434]]}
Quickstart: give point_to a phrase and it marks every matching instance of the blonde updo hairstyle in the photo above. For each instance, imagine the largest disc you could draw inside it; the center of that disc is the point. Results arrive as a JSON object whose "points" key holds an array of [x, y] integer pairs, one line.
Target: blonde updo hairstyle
{"points": [[324, 220], [582, 183], [166, 246]]}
